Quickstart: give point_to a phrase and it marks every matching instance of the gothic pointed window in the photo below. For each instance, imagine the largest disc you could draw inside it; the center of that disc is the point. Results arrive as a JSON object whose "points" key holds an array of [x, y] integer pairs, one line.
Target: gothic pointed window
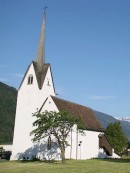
{"points": [[30, 79]]}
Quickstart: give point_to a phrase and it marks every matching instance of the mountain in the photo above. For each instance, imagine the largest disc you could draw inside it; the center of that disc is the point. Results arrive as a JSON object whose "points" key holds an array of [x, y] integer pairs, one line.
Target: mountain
{"points": [[105, 119], [8, 96], [124, 119]]}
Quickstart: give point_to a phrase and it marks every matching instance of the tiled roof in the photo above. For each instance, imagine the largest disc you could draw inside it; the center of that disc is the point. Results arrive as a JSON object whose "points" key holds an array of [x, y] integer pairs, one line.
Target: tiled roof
{"points": [[91, 123]]}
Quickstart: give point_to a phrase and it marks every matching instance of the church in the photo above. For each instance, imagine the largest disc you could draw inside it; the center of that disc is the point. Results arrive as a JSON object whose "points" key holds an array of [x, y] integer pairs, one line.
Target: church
{"points": [[37, 92]]}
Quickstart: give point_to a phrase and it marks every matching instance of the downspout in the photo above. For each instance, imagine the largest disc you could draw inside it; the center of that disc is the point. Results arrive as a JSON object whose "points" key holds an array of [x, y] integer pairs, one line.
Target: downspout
{"points": [[71, 145], [77, 144]]}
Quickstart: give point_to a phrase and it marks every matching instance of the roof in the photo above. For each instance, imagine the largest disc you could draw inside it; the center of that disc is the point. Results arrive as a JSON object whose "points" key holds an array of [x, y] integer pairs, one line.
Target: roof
{"points": [[87, 115], [105, 144], [40, 75], [40, 59]]}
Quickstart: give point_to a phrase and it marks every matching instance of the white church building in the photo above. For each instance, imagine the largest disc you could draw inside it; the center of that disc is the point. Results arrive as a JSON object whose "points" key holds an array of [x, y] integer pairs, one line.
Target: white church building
{"points": [[37, 91]]}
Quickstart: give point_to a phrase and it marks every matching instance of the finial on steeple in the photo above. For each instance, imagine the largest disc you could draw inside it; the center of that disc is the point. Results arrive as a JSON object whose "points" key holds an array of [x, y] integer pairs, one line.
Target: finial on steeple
{"points": [[40, 59], [45, 8]]}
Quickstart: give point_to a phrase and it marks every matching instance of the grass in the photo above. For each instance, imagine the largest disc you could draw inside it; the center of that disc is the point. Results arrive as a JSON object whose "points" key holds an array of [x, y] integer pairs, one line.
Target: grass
{"points": [[71, 166]]}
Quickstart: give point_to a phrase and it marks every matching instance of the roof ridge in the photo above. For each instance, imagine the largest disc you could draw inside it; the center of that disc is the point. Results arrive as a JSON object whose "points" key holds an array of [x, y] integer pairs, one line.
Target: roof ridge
{"points": [[72, 102]]}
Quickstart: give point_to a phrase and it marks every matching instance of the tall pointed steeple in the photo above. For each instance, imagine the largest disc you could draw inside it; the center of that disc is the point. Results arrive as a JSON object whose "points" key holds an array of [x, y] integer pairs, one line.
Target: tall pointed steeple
{"points": [[40, 58]]}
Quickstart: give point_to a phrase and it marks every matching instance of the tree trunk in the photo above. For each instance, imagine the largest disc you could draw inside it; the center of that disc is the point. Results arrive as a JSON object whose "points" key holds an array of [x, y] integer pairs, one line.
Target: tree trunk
{"points": [[63, 155]]}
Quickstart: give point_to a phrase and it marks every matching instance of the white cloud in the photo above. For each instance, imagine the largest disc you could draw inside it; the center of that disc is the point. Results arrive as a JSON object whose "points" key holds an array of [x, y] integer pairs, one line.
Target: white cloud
{"points": [[18, 75], [101, 97]]}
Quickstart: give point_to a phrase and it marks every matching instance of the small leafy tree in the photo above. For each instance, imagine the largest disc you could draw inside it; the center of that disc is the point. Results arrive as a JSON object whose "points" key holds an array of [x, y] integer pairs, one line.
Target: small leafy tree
{"points": [[54, 123], [116, 137], [1, 149]]}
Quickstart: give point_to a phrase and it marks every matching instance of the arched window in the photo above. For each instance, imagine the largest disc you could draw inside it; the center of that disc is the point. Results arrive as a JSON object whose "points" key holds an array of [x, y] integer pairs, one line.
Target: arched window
{"points": [[30, 79]]}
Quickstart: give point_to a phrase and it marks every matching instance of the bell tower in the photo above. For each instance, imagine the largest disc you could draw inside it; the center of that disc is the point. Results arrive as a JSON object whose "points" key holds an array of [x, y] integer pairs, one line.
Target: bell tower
{"points": [[34, 89]]}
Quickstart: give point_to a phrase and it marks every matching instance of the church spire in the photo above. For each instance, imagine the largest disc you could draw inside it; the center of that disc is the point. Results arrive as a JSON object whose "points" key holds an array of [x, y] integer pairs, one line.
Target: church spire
{"points": [[40, 58]]}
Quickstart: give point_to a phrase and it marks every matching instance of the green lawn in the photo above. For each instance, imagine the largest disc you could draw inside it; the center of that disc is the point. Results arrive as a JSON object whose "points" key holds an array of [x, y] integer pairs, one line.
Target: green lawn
{"points": [[71, 166]]}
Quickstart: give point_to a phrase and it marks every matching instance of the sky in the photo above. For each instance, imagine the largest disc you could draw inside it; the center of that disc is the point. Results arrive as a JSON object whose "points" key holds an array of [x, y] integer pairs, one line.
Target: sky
{"points": [[87, 45]]}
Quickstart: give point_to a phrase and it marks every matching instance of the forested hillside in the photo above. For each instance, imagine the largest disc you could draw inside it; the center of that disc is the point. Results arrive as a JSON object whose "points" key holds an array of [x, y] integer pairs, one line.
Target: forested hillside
{"points": [[8, 96]]}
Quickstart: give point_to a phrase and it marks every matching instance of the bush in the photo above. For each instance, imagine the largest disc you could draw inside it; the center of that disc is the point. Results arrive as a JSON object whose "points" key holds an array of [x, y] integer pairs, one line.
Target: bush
{"points": [[5, 155]]}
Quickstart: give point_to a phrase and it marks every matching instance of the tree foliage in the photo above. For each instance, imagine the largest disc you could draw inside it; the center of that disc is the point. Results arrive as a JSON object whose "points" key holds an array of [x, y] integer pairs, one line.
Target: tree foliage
{"points": [[1, 149], [116, 137], [58, 124], [8, 97]]}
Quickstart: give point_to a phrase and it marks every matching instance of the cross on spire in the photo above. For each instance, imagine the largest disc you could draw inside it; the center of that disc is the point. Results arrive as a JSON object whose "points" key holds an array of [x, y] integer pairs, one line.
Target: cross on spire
{"points": [[45, 9]]}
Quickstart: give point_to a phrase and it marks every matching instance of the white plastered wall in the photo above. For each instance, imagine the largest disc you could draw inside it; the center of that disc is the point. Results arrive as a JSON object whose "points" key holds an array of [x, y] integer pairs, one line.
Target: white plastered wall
{"points": [[29, 98], [88, 140], [89, 146]]}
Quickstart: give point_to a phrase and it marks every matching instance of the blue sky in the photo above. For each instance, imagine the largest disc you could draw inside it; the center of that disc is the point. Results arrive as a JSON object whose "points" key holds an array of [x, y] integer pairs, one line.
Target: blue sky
{"points": [[87, 44]]}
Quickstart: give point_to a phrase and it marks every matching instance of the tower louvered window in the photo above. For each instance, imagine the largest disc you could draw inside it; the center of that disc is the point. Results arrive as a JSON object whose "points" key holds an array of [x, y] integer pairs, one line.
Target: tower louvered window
{"points": [[30, 79]]}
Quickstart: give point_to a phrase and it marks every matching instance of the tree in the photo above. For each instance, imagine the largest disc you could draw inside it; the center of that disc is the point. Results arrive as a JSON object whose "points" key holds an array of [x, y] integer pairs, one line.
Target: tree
{"points": [[1, 149], [116, 137], [54, 123]]}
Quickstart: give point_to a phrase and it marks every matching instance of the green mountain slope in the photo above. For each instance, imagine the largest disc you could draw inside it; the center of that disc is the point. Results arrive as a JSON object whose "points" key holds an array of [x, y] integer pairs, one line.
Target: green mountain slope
{"points": [[8, 96]]}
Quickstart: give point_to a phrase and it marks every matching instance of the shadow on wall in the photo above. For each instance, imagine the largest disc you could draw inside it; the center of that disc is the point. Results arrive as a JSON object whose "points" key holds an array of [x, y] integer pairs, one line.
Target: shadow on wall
{"points": [[41, 152]]}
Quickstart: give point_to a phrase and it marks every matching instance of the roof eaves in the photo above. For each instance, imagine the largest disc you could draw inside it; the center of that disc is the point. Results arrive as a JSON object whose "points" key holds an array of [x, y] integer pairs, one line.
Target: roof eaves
{"points": [[24, 76]]}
